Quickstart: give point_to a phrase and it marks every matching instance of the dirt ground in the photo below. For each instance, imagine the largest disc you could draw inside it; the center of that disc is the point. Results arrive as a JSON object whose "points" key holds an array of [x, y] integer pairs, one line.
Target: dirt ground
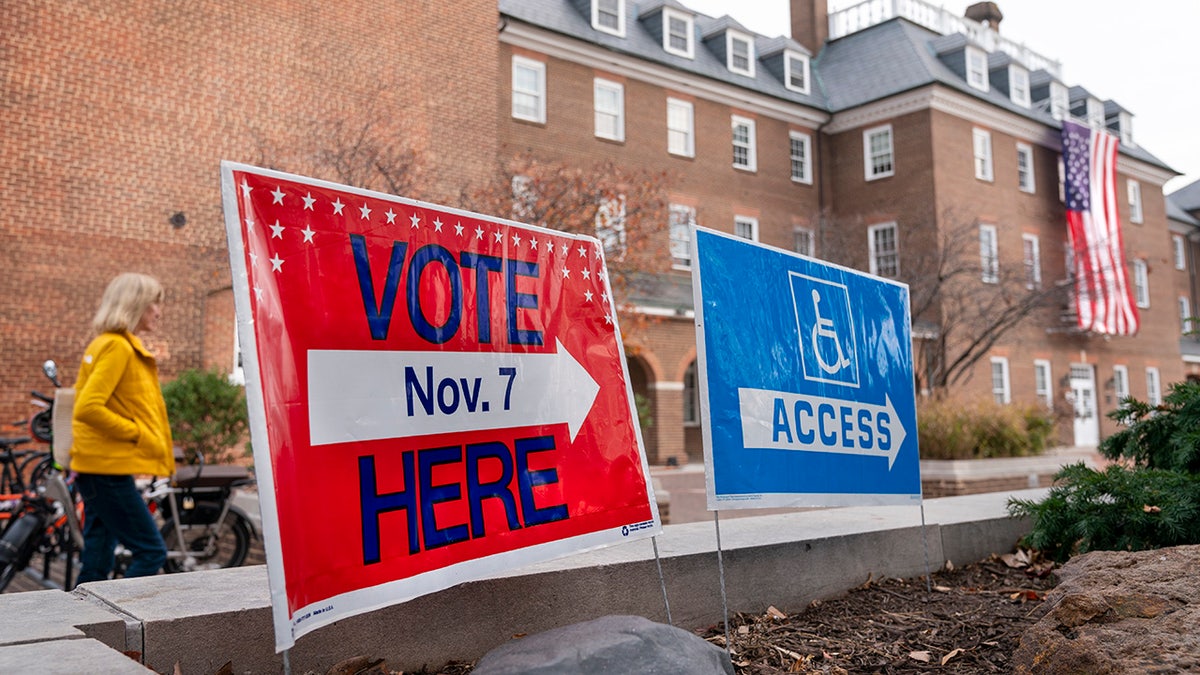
{"points": [[965, 621]]}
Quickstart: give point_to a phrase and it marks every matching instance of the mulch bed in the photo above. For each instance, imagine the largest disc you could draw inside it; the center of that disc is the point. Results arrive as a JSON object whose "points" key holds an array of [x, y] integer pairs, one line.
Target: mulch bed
{"points": [[968, 621], [965, 621]]}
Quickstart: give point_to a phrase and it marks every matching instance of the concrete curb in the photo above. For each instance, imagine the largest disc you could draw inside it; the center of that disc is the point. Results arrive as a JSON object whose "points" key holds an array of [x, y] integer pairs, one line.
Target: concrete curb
{"points": [[202, 620]]}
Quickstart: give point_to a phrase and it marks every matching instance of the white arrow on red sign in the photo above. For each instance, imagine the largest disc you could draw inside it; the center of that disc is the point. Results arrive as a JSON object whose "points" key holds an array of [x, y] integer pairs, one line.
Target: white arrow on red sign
{"points": [[357, 395]]}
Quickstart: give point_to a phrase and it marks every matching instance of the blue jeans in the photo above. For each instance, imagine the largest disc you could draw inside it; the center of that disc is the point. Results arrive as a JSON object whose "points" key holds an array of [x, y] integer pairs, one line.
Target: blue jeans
{"points": [[113, 511]]}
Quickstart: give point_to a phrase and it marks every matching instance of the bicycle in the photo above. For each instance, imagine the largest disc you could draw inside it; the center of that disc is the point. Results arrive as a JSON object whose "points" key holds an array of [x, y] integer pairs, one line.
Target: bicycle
{"points": [[12, 464], [210, 532], [42, 520]]}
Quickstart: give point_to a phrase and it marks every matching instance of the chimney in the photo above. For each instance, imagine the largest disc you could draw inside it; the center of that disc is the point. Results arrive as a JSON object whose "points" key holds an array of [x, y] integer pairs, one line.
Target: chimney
{"points": [[810, 23], [986, 13]]}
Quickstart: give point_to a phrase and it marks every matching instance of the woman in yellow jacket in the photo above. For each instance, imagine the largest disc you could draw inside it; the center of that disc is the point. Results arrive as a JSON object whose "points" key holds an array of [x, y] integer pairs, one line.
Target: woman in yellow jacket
{"points": [[120, 429]]}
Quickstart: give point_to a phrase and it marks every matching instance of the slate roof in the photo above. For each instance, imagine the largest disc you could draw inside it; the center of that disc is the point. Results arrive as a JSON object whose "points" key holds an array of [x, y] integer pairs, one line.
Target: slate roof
{"points": [[560, 16], [1186, 197], [886, 59], [1177, 213]]}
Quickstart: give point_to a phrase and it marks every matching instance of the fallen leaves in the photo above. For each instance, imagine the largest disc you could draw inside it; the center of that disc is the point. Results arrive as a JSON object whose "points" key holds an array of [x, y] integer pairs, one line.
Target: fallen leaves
{"points": [[1031, 561], [952, 654], [969, 624]]}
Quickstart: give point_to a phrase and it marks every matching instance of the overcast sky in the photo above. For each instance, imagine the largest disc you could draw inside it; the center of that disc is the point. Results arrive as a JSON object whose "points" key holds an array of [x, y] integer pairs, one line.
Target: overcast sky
{"points": [[1143, 55]]}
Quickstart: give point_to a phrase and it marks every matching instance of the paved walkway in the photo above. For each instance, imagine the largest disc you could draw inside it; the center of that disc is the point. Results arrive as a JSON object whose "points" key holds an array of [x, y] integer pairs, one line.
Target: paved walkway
{"points": [[685, 487]]}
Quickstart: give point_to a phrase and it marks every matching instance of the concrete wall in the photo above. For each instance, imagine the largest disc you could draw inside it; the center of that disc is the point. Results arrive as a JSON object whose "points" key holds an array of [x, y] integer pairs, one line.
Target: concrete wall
{"points": [[202, 620]]}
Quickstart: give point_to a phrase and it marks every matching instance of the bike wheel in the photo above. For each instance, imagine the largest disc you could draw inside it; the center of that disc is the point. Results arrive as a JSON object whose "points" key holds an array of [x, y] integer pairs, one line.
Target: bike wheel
{"points": [[209, 547], [6, 575], [35, 468]]}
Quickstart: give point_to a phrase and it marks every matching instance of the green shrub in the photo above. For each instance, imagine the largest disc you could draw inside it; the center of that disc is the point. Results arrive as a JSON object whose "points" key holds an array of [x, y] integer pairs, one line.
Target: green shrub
{"points": [[208, 415], [1151, 502], [1166, 436], [1118, 509], [952, 430]]}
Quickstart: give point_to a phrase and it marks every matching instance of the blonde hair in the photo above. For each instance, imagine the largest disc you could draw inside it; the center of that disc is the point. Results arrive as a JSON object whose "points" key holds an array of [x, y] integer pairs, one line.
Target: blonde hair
{"points": [[126, 299]]}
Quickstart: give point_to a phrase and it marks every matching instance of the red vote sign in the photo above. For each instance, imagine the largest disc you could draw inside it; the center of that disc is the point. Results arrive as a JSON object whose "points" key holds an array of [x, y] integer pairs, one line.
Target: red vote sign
{"points": [[435, 395]]}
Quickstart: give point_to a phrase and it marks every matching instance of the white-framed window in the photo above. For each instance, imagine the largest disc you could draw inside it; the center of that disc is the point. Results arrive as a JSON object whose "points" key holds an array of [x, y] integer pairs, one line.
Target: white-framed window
{"points": [[1095, 113], [983, 154], [1001, 391], [884, 248], [678, 31], [801, 154], [610, 226], [524, 199], [528, 89], [1060, 102], [1018, 85], [1125, 124], [1068, 259], [1185, 314], [1120, 383], [989, 255], [977, 72], [682, 220], [609, 101], [1141, 283], [609, 16], [739, 53], [746, 227], [796, 71], [691, 396], [1134, 190], [1178, 251], [803, 241], [878, 157], [681, 128], [1062, 181], [1042, 384], [1153, 386], [1032, 259], [744, 154], [1025, 179]]}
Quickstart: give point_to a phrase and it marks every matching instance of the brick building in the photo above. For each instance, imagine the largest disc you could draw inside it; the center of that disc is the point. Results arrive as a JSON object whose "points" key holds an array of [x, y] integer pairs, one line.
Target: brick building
{"points": [[866, 137], [893, 137], [116, 118], [1183, 214]]}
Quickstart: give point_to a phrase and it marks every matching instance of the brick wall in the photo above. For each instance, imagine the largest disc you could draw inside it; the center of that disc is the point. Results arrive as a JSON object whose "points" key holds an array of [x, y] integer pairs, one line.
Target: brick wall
{"points": [[116, 119], [662, 348]]}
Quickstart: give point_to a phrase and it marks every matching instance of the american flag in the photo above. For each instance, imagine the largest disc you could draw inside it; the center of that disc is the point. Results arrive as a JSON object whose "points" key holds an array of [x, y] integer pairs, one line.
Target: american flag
{"points": [[1103, 294]]}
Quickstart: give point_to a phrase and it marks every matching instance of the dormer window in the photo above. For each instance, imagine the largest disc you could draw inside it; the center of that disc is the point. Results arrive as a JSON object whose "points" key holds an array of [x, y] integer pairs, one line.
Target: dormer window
{"points": [[609, 16], [977, 71], [796, 71], [1018, 85], [1125, 122], [739, 53], [1059, 100], [1095, 113], [678, 29]]}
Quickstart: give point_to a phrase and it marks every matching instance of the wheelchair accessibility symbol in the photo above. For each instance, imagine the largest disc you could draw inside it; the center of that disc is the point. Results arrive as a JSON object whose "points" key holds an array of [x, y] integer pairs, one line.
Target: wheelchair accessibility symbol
{"points": [[826, 327]]}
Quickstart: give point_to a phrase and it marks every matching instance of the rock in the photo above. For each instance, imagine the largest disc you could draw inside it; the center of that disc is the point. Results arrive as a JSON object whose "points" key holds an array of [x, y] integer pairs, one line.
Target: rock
{"points": [[615, 645], [1119, 612]]}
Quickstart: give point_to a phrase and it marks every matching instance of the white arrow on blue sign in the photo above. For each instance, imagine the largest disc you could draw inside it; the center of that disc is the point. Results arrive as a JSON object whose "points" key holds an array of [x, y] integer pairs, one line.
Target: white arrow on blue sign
{"points": [[806, 379]]}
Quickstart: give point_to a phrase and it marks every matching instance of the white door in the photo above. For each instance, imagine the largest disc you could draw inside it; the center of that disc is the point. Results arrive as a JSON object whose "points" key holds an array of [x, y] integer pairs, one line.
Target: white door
{"points": [[1083, 395]]}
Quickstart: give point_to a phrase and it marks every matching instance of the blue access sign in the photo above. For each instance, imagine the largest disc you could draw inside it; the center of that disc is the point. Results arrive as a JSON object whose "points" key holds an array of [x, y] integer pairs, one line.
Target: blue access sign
{"points": [[806, 379]]}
